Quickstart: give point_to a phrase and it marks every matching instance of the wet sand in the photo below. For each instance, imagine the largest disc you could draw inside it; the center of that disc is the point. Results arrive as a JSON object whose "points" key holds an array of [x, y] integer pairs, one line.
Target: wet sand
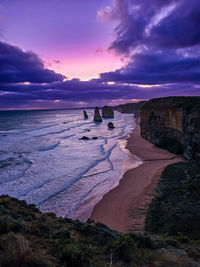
{"points": [[124, 207]]}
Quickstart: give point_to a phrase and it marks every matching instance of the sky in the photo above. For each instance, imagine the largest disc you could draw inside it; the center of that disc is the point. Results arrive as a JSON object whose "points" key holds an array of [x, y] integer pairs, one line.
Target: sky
{"points": [[63, 53]]}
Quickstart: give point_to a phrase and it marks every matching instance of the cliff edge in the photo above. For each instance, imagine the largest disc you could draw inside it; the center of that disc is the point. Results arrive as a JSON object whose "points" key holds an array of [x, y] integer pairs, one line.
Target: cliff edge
{"points": [[173, 123], [131, 108]]}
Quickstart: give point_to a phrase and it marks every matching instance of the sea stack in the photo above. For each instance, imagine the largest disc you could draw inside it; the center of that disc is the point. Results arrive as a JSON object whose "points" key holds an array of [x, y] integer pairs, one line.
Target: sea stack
{"points": [[97, 116], [111, 125], [85, 115], [107, 112]]}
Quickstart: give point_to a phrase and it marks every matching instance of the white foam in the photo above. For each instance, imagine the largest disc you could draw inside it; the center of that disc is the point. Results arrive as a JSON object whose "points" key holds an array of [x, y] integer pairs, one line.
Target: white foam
{"points": [[53, 168]]}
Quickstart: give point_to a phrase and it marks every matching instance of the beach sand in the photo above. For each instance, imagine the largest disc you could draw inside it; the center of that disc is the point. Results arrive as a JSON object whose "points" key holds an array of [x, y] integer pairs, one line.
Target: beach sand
{"points": [[124, 207]]}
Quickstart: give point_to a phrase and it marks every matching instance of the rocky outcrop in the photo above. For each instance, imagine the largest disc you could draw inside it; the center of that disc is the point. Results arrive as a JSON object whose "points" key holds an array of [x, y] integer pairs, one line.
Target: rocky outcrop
{"points": [[173, 123], [97, 116], [131, 108], [111, 125], [85, 115], [85, 138], [107, 112]]}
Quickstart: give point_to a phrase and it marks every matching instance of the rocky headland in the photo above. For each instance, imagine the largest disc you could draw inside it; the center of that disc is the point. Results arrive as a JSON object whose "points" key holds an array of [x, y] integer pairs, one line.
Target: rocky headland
{"points": [[173, 123], [131, 108]]}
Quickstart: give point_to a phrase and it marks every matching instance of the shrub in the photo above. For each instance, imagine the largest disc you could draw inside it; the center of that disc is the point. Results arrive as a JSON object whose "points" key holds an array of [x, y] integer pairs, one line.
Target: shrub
{"points": [[147, 241], [182, 239], [103, 234], [122, 248], [17, 225], [17, 253], [77, 254], [171, 242], [8, 223], [62, 233], [4, 228]]}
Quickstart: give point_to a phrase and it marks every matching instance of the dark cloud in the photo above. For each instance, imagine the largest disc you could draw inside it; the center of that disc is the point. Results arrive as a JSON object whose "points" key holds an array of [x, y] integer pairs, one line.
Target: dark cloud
{"points": [[157, 67], [158, 23], [18, 66], [181, 28], [160, 39], [95, 92]]}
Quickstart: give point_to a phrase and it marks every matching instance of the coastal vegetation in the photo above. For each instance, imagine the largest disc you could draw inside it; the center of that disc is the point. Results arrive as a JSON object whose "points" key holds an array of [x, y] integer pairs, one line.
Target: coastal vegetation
{"points": [[175, 209], [29, 237]]}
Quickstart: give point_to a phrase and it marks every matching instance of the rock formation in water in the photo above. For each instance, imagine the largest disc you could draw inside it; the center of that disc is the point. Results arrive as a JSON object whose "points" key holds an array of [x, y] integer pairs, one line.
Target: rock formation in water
{"points": [[97, 116], [107, 112], [173, 123], [85, 115], [85, 138], [111, 125]]}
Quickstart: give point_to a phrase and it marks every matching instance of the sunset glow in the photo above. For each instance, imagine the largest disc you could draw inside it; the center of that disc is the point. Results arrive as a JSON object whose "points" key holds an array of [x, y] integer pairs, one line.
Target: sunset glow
{"points": [[57, 54]]}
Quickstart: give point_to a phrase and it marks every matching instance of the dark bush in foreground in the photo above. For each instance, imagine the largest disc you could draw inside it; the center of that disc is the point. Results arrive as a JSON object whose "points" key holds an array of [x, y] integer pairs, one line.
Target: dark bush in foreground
{"points": [[123, 248], [77, 254], [29, 238]]}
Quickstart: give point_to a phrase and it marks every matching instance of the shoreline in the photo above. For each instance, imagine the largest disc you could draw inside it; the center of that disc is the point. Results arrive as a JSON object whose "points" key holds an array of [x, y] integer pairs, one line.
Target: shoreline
{"points": [[84, 210], [124, 207]]}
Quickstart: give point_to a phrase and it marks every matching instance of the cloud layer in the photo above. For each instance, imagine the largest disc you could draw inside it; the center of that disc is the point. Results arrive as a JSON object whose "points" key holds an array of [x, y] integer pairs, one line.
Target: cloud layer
{"points": [[17, 66], [158, 67], [155, 23]]}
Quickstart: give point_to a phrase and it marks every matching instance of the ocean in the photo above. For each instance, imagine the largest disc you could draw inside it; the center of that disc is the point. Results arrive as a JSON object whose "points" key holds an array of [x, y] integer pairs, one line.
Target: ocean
{"points": [[44, 162]]}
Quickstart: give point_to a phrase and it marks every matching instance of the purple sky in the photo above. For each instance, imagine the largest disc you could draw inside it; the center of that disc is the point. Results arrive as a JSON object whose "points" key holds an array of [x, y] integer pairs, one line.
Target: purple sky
{"points": [[63, 53]]}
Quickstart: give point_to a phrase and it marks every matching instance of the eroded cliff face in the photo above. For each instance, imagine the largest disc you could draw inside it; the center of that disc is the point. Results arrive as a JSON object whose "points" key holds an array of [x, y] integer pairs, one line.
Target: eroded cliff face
{"points": [[173, 123], [131, 108]]}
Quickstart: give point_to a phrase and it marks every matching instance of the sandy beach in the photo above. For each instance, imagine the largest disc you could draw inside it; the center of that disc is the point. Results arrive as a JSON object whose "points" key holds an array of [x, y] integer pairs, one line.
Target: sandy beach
{"points": [[124, 207]]}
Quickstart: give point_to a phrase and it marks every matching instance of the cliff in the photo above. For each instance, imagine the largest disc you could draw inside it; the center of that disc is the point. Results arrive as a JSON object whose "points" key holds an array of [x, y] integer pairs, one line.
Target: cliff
{"points": [[131, 108], [173, 123]]}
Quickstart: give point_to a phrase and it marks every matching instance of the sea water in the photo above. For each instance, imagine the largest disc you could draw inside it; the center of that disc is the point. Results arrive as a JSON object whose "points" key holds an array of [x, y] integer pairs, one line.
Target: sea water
{"points": [[44, 161]]}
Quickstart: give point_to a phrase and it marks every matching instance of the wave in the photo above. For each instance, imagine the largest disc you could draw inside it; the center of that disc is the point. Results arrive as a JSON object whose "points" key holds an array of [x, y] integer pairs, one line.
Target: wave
{"points": [[65, 186], [49, 147], [14, 132]]}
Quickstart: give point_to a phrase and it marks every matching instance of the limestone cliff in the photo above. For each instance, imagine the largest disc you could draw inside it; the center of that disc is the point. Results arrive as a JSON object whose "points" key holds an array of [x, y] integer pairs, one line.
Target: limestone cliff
{"points": [[131, 108], [107, 112], [173, 123]]}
